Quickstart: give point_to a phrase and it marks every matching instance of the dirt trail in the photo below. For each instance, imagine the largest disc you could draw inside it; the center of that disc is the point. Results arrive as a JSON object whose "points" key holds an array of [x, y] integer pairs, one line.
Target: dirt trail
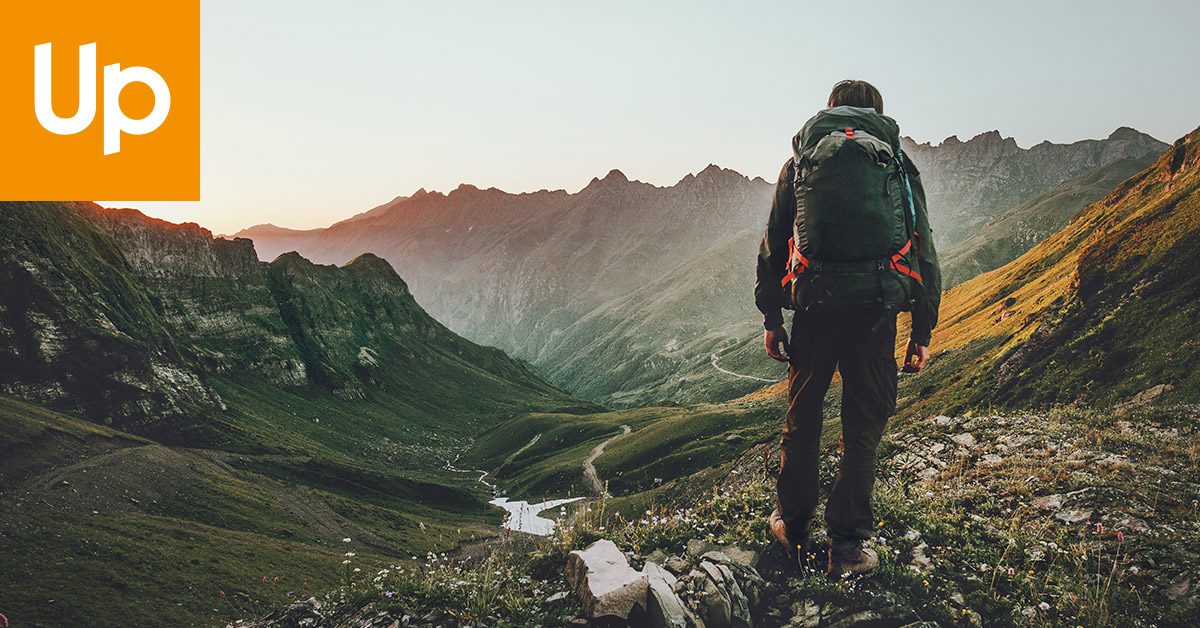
{"points": [[715, 364], [589, 466], [513, 455]]}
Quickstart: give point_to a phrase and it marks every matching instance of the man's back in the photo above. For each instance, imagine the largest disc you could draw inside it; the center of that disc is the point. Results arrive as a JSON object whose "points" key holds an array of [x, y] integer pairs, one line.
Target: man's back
{"points": [[847, 246]]}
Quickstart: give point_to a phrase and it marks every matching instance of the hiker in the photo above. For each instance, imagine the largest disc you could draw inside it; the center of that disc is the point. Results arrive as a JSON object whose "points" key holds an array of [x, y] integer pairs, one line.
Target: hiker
{"points": [[847, 247]]}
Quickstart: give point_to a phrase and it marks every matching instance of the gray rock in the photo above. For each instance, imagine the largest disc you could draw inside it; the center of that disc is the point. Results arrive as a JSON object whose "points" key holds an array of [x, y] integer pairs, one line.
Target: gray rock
{"points": [[735, 555], [965, 439], [697, 547], [605, 583], [867, 617], [1073, 515], [715, 607], [1048, 502], [732, 597], [657, 556], [1143, 398], [654, 572], [806, 614], [677, 565], [664, 609]]}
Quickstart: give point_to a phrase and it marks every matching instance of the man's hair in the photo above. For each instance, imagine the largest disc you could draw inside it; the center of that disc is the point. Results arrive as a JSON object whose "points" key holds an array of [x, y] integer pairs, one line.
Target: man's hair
{"points": [[856, 94]]}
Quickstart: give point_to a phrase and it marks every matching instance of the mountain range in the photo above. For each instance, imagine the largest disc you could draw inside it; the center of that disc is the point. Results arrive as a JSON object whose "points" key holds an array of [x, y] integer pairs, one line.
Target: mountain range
{"points": [[626, 293]]}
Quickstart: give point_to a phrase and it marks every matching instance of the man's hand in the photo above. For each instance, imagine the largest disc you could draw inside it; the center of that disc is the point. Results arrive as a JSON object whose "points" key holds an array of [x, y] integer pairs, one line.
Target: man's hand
{"points": [[915, 358], [776, 341]]}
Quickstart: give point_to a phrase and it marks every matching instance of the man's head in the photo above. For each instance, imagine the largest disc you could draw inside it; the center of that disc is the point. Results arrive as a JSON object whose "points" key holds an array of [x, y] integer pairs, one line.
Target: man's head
{"points": [[856, 94]]}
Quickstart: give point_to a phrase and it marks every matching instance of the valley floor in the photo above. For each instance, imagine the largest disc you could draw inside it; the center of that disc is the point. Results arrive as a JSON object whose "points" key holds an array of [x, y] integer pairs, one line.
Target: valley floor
{"points": [[1067, 517]]}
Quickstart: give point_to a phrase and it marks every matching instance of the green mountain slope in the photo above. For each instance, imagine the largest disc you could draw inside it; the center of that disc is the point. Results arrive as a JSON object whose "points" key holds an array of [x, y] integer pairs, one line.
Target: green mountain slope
{"points": [[164, 393], [1017, 230]]}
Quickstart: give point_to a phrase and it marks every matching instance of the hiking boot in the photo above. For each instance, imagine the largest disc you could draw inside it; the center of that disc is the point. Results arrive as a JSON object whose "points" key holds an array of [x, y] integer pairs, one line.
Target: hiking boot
{"points": [[849, 561], [779, 531]]}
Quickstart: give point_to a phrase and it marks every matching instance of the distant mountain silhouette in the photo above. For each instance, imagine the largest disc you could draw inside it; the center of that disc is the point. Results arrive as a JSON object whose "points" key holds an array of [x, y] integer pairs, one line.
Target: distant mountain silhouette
{"points": [[644, 284]]}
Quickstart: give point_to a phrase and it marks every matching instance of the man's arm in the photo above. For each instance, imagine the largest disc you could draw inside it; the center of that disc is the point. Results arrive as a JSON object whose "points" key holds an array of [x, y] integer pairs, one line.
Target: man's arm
{"points": [[773, 253], [925, 310]]}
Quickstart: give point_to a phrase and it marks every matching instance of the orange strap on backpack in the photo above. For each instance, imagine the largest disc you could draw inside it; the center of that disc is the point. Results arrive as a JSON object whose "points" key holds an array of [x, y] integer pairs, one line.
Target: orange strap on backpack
{"points": [[797, 263], [902, 268]]}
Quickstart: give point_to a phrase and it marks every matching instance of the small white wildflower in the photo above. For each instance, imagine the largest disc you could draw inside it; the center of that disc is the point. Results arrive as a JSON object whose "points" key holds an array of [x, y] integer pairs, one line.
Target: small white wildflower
{"points": [[346, 540], [1044, 606]]}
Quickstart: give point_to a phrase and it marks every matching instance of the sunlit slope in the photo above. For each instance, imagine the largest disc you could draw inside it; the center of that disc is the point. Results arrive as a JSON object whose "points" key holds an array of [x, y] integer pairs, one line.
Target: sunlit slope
{"points": [[1100, 310]]}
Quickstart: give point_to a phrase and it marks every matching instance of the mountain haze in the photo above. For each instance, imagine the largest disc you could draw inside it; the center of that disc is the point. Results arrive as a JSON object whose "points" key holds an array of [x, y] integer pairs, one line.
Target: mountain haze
{"points": [[645, 284], [1016, 230], [969, 183]]}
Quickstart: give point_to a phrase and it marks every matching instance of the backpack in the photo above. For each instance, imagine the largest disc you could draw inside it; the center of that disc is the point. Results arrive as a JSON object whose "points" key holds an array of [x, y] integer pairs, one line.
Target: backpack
{"points": [[853, 236]]}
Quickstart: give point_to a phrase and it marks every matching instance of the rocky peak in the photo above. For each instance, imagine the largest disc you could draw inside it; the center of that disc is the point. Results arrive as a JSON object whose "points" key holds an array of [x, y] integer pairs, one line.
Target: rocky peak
{"points": [[1127, 133]]}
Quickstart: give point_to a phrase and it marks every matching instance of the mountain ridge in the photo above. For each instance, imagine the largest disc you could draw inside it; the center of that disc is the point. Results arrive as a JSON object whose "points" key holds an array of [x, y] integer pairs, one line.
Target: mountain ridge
{"points": [[528, 272]]}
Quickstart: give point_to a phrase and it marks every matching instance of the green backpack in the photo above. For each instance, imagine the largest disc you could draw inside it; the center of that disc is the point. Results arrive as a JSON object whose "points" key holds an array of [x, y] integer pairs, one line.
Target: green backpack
{"points": [[853, 238]]}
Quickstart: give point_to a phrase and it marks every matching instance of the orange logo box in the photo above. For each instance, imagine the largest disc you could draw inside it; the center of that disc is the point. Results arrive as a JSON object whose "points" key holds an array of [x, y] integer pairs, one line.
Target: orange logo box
{"points": [[100, 99]]}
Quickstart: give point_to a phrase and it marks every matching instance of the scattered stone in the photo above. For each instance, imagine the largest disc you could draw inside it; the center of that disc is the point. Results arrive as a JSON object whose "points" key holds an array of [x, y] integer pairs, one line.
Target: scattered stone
{"points": [[677, 565], [735, 555], [697, 547], [558, 597], [1142, 398], [605, 583], [965, 439], [806, 614], [657, 556], [1073, 515], [1179, 589], [861, 618], [944, 421], [1048, 502], [920, 561]]}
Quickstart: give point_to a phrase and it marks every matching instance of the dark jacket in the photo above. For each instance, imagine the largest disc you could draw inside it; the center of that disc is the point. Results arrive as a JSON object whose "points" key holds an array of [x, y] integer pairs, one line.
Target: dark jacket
{"points": [[773, 257]]}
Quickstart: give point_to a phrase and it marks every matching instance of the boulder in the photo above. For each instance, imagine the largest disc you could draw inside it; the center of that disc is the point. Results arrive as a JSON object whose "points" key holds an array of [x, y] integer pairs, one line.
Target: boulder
{"points": [[664, 609], [605, 583]]}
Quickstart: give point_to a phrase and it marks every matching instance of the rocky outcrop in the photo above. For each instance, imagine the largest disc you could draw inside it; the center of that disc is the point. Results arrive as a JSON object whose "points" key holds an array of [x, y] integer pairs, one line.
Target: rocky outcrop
{"points": [[708, 587], [605, 582]]}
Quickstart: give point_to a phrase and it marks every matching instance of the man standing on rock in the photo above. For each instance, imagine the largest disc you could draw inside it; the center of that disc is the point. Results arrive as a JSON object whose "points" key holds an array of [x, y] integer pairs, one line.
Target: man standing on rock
{"points": [[847, 246]]}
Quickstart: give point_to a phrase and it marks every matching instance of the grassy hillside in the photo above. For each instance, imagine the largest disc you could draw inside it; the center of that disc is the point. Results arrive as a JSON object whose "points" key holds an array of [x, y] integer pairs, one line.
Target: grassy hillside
{"points": [[1099, 311]]}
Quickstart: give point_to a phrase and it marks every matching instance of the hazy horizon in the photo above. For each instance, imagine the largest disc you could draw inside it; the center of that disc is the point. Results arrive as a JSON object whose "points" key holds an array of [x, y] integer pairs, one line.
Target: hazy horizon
{"points": [[311, 113]]}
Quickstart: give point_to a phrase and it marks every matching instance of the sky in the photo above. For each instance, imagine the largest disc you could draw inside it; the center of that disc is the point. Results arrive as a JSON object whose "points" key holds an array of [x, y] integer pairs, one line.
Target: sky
{"points": [[312, 111]]}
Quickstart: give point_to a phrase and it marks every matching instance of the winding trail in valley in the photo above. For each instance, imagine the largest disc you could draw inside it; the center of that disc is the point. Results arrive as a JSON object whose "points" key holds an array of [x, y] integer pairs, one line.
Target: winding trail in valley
{"points": [[589, 463], [716, 357], [513, 456]]}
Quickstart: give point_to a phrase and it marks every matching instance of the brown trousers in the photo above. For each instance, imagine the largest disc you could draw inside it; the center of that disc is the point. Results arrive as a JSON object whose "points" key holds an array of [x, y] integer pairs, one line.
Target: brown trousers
{"points": [[859, 345]]}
